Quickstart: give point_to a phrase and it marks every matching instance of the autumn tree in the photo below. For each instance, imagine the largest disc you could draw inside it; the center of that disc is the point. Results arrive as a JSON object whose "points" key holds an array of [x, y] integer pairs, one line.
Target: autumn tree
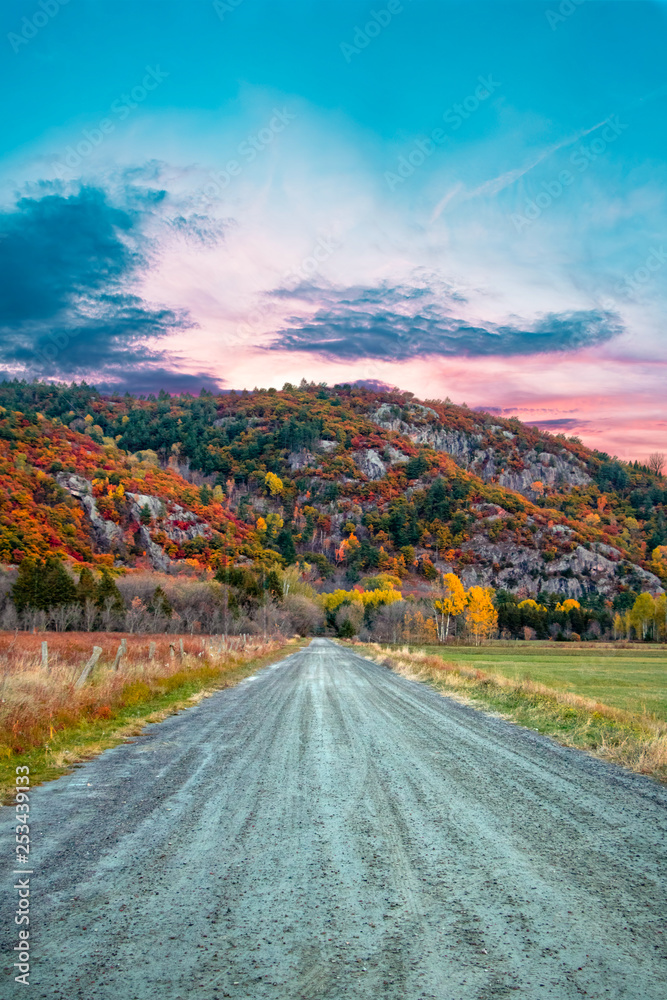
{"points": [[659, 561], [660, 618], [618, 626], [481, 615], [450, 603], [274, 484], [420, 629], [642, 615]]}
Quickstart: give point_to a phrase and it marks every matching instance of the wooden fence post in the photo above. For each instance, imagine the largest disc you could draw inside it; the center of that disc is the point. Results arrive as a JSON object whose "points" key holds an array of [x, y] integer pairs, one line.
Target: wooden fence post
{"points": [[180, 646], [122, 650], [151, 651], [45, 656], [172, 651], [97, 652]]}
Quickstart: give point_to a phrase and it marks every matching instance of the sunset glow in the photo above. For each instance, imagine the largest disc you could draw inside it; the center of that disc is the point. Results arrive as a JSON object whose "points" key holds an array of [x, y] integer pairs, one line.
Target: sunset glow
{"points": [[222, 195]]}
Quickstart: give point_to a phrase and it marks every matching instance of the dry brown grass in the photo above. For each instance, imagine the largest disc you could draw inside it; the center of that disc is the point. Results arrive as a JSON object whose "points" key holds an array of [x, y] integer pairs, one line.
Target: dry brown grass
{"points": [[39, 704], [638, 742]]}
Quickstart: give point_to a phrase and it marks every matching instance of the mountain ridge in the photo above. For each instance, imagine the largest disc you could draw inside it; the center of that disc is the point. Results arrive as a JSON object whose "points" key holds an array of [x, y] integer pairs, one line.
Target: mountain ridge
{"points": [[370, 479]]}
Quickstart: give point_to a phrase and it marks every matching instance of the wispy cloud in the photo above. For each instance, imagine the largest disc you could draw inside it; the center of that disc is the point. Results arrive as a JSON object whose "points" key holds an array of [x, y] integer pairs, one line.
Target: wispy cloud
{"points": [[399, 322], [497, 184]]}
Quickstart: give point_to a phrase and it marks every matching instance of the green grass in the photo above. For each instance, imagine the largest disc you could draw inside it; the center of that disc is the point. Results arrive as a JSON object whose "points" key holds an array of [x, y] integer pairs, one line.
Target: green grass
{"points": [[634, 680], [592, 700]]}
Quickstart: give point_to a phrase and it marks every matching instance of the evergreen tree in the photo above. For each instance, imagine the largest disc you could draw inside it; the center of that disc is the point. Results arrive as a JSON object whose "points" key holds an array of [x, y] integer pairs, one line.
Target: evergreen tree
{"points": [[285, 543], [159, 604], [43, 585], [273, 584], [86, 589], [145, 515], [59, 587], [108, 591], [437, 503], [26, 591], [416, 467]]}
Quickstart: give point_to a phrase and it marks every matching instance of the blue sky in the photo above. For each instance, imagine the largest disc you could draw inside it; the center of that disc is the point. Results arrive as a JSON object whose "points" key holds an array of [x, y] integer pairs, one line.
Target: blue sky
{"points": [[464, 199]]}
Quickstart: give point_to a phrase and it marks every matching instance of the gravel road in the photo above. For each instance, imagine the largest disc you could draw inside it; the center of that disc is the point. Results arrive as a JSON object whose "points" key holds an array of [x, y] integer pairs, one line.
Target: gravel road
{"points": [[328, 829]]}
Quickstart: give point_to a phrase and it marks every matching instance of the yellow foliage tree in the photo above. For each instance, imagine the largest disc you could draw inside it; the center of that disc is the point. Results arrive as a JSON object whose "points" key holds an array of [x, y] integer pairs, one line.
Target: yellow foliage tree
{"points": [[642, 615], [481, 615], [567, 605], [530, 603], [270, 526], [619, 629], [659, 561], [274, 484], [274, 523], [374, 598], [448, 604]]}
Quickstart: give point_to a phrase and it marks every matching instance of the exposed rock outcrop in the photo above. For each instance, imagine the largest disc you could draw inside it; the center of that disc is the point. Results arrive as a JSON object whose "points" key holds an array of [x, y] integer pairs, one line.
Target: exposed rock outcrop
{"points": [[106, 533], [302, 459], [488, 463], [516, 567], [368, 461], [178, 524]]}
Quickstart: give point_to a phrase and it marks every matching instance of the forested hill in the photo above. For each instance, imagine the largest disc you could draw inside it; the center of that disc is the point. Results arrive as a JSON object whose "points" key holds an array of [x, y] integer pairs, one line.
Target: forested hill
{"points": [[357, 480]]}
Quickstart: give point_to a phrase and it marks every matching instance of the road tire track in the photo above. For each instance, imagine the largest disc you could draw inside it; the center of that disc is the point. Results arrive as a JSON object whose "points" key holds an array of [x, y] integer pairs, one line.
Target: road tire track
{"points": [[329, 830]]}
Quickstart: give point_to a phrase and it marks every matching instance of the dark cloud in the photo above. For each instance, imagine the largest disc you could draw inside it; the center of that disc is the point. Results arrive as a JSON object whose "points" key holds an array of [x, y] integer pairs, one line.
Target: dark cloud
{"points": [[373, 384], [55, 249], [398, 323], [155, 379], [68, 301], [560, 423]]}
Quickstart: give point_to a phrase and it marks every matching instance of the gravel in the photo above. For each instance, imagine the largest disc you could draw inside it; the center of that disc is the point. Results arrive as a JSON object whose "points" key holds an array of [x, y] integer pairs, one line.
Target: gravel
{"points": [[328, 829]]}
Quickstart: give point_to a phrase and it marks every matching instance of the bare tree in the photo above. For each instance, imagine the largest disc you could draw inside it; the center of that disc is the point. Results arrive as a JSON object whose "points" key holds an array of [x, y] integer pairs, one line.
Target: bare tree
{"points": [[10, 619], [109, 615], [656, 462], [305, 616], [64, 616], [389, 623], [190, 616], [136, 616], [34, 620], [89, 615]]}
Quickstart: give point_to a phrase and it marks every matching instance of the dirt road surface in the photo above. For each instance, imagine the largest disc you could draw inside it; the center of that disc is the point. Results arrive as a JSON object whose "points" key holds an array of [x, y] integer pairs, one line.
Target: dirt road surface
{"points": [[330, 830]]}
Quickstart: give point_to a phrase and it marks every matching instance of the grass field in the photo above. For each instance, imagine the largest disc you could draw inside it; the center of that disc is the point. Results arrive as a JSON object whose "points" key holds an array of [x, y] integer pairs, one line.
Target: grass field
{"points": [[609, 701], [631, 679]]}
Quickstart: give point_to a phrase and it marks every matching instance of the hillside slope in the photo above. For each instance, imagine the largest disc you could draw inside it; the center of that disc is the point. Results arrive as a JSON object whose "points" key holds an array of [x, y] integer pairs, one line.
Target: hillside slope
{"points": [[361, 480]]}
